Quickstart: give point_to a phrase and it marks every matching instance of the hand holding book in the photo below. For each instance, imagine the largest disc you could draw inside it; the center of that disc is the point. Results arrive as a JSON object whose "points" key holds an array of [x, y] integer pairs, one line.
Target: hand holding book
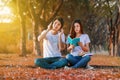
{"points": [[85, 54]]}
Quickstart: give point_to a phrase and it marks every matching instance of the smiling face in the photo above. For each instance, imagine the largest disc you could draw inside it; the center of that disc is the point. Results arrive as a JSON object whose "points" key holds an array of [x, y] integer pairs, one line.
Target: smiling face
{"points": [[77, 28], [56, 25]]}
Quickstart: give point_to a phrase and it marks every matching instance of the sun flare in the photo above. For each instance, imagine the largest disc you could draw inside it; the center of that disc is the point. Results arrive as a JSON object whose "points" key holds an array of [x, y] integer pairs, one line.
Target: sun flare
{"points": [[6, 15]]}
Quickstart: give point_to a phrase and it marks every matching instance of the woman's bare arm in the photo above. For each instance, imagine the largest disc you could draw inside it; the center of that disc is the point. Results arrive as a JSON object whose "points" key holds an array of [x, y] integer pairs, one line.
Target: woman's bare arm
{"points": [[43, 35], [85, 47], [61, 45]]}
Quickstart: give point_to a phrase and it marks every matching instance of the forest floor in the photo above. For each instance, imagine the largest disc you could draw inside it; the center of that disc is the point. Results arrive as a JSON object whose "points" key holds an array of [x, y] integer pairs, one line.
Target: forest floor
{"points": [[13, 67]]}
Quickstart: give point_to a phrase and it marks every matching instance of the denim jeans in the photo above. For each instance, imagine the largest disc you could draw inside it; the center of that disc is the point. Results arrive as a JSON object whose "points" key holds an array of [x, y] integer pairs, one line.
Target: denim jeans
{"points": [[77, 61], [51, 62]]}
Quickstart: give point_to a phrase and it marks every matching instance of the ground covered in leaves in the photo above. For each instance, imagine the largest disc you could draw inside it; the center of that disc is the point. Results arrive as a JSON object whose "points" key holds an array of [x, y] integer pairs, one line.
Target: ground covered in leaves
{"points": [[13, 67]]}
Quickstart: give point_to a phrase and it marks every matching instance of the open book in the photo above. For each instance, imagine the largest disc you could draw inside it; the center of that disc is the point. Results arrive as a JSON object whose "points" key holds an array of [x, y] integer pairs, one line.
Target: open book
{"points": [[89, 54], [73, 41]]}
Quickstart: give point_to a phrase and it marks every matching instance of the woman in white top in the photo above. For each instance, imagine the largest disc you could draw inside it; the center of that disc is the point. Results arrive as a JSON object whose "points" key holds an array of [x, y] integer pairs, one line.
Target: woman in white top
{"points": [[53, 43], [78, 54]]}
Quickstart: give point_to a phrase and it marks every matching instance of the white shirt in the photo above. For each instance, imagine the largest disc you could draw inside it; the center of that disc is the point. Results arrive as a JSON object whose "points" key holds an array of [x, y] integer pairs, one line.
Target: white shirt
{"points": [[50, 45], [84, 38]]}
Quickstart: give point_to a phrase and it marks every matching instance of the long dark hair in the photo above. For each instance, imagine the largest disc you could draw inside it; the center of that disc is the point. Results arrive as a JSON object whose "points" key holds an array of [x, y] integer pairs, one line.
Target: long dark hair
{"points": [[72, 30]]}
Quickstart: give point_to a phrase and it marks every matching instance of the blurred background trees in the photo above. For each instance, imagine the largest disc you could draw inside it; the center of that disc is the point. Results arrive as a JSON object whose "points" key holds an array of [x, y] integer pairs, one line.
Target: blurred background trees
{"points": [[100, 18]]}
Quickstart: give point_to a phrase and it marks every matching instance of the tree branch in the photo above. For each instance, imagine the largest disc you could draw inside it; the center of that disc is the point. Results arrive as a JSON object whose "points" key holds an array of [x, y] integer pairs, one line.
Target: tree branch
{"points": [[55, 11], [32, 10], [42, 7]]}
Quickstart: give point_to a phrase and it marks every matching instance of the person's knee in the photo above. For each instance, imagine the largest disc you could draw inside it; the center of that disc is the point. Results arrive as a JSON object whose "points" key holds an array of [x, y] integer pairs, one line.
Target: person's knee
{"points": [[68, 56], [65, 61], [88, 57], [36, 61]]}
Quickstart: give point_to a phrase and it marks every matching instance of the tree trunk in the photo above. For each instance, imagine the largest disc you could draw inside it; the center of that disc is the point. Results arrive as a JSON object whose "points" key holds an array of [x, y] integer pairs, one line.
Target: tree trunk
{"points": [[22, 10], [35, 37], [118, 27], [23, 36], [114, 30], [118, 45]]}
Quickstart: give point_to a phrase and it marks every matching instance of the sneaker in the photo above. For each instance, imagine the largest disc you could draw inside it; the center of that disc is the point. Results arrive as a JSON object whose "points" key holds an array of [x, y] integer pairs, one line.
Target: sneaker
{"points": [[89, 67], [67, 68]]}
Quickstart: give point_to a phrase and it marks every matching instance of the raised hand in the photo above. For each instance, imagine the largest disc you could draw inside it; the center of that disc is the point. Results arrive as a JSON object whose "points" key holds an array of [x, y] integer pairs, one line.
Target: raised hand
{"points": [[61, 31], [49, 26]]}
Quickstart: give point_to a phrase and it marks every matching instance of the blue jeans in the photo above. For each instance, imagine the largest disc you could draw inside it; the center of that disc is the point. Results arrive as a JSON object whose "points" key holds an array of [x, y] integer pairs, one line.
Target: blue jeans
{"points": [[51, 62], [77, 61]]}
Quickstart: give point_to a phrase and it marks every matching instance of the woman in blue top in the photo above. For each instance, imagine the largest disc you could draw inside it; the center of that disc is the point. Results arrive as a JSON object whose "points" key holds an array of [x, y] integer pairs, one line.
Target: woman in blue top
{"points": [[79, 54]]}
